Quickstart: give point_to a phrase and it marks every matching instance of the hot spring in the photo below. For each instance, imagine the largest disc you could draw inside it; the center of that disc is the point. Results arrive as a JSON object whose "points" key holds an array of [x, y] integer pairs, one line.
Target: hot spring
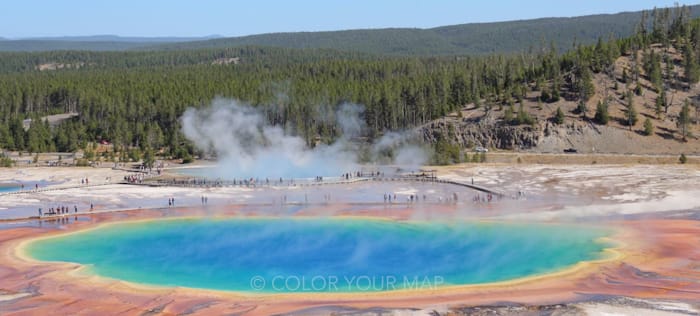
{"points": [[320, 254], [9, 187]]}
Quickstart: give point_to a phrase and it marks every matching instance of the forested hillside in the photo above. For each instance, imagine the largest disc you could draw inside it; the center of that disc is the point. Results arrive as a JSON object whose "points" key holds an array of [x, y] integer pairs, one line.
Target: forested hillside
{"points": [[475, 38], [463, 39], [133, 100]]}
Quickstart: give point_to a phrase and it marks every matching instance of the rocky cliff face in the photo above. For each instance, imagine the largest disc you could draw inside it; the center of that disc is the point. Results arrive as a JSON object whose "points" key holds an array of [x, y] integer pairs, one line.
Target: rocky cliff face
{"points": [[486, 133], [546, 137]]}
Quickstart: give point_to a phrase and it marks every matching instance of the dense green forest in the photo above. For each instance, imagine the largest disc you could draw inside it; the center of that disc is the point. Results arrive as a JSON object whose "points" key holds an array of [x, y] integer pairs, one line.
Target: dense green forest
{"points": [[134, 99], [91, 61]]}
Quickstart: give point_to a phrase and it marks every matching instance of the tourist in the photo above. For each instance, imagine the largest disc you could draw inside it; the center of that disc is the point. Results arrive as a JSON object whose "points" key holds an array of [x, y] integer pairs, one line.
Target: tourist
{"points": [[40, 212], [75, 207]]}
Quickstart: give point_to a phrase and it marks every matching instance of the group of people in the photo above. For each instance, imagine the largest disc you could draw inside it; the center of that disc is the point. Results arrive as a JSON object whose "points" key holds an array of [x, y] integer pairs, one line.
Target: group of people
{"points": [[359, 174], [134, 178], [486, 198], [411, 198], [414, 198], [250, 182], [205, 200], [84, 181], [171, 202], [60, 210]]}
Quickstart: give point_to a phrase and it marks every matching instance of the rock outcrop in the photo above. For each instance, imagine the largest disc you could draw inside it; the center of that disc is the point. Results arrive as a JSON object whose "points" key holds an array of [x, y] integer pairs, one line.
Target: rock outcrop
{"points": [[486, 133]]}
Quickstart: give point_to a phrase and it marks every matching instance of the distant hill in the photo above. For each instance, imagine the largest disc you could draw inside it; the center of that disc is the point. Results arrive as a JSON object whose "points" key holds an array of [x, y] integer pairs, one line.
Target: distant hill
{"points": [[116, 38], [474, 38], [89, 43], [53, 45], [463, 39]]}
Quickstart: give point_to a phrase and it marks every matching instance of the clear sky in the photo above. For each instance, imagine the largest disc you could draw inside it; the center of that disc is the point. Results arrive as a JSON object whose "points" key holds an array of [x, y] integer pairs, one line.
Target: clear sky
{"points": [[31, 18]]}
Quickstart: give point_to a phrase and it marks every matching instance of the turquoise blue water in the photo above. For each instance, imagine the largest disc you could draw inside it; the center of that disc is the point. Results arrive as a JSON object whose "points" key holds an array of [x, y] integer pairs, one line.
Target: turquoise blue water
{"points": [[9, 187], [320, 255]]}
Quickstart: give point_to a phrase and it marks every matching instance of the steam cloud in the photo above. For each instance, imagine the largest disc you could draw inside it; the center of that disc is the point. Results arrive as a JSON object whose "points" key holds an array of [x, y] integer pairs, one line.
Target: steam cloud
{"points": [[246, 145]]}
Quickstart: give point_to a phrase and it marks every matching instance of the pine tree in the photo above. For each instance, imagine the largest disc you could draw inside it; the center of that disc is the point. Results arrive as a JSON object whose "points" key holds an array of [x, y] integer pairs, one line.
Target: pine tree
{"points": [[523, 117], [559, 116], [692, 70], [581, 108], [585, 86], [648, 127], [601, 113], [684, 120], [631, 111], [508, 115], [148, 158], [660, 103]]}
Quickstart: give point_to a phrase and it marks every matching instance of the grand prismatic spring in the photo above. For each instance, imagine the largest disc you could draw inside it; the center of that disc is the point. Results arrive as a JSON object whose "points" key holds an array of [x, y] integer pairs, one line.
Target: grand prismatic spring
{"points": [[321, 255]]}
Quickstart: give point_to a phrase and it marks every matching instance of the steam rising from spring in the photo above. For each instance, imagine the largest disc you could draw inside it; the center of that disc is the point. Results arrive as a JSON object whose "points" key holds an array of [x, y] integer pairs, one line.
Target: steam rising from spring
{"points": [[246, 145]]}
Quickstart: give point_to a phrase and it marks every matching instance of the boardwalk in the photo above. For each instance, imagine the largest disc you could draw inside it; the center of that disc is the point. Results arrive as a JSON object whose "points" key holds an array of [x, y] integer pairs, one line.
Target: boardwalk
{"points": [[57, 188], [310, 182]]}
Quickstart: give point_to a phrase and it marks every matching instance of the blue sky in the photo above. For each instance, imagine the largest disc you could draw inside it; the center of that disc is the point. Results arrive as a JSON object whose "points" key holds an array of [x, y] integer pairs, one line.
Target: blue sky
{"points": [[31, 18]]}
